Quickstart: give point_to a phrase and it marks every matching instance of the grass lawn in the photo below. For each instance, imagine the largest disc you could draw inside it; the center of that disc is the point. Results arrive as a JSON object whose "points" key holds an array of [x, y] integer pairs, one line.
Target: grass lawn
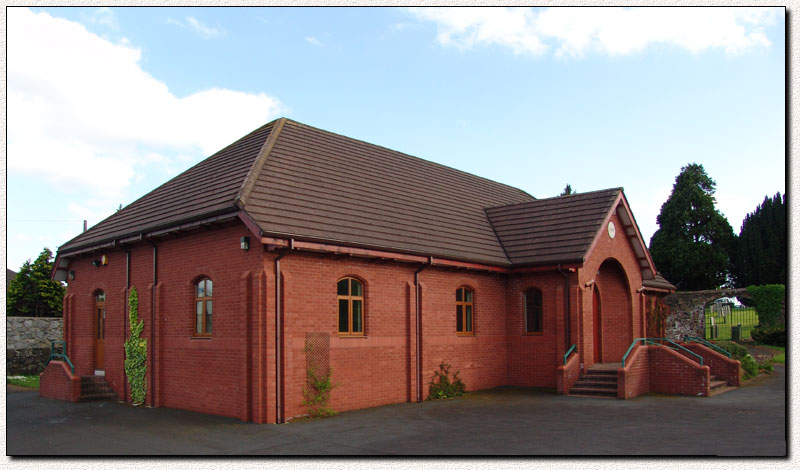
{"points": [[746, 316], [27, 381]]}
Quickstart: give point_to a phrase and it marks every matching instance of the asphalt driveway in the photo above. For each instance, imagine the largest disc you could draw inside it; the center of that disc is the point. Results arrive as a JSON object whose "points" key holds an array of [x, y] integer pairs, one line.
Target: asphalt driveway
{"points": [[749, 421]]}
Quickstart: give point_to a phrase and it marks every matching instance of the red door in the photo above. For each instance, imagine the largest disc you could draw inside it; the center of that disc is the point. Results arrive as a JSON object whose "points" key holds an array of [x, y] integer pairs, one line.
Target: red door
{"points": [[596, 325]]}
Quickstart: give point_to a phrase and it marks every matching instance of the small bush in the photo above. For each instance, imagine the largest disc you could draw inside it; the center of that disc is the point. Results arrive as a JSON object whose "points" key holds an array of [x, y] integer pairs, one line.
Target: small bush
{"points": [[766, 365], [774, 336], [317, 394], [442, 387], [750, 366], [737, 351]]}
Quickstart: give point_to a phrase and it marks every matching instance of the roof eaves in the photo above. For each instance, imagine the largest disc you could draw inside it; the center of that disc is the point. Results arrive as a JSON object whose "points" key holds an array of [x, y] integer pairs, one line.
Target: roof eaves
{"points": [[255, 171]]}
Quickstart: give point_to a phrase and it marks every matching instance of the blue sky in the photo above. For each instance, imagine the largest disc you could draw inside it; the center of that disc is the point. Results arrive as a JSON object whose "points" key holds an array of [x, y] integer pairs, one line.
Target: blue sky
{"points": [[106, 104]]}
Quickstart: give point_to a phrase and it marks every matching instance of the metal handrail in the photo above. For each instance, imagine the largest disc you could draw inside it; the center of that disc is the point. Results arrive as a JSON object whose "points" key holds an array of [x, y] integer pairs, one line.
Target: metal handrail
{"points": [[55, 355], [706, 343], [652, 341], [569, 351]]}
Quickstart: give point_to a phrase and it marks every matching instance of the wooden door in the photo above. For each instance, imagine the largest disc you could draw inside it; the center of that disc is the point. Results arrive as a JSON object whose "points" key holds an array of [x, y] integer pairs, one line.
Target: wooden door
{"points": [[597, 327], [100, 323]]}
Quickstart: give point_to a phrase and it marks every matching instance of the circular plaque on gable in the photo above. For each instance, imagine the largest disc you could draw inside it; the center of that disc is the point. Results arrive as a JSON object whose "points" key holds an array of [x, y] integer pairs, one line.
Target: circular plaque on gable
{"points": [[611, 230]]}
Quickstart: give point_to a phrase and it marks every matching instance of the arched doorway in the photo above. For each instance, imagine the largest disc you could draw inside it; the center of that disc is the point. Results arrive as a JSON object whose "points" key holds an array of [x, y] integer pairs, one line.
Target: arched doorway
{"points": [[613, 312]]}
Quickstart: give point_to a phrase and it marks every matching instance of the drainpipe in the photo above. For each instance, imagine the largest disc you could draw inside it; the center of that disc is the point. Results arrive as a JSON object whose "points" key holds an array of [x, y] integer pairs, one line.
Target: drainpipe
{"points": [[567, 335], [124, 317], [153, 321], [418, 312], [278, 334]]}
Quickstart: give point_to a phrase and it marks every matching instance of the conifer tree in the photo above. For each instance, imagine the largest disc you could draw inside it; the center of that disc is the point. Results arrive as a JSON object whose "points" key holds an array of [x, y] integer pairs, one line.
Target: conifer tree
{"points": [[761, 247], [693, 246], [32, 293]]}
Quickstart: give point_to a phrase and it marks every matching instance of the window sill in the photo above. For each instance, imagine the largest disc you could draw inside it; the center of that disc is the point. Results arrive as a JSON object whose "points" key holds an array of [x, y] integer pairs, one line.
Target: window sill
{"points": [[532, 334], [345, 335], [204, 337], [465, 334]]}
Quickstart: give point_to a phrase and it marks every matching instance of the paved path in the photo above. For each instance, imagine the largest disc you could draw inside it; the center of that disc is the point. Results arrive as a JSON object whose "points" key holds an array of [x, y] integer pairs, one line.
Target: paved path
{"points": [[749, 421]]}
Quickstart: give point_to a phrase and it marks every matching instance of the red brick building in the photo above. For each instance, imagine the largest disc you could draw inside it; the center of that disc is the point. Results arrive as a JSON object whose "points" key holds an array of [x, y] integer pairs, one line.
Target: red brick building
{"points": [[294, 245]]}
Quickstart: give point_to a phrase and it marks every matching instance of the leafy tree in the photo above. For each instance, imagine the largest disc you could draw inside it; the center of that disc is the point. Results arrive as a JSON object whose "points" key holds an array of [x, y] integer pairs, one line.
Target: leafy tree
{"points": [[567, 190], [32, 293], [761, 247], [693, 246]]}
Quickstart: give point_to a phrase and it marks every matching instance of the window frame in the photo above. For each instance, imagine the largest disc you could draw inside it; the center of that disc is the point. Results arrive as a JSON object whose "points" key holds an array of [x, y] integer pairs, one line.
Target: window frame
{"points": [[350, 301], [463, 303], [539, 313], [205, 332]]}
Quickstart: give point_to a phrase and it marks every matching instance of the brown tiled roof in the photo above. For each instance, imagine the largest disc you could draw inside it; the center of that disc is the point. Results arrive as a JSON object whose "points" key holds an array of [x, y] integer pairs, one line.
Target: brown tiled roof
{"points": [[296, 181], [322, 186], [660, 282], [553, 230], [206, 189]]}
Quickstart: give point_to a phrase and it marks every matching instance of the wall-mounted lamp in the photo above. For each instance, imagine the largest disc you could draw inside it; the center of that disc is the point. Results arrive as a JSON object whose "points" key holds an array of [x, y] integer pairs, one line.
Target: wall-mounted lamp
{"points": [[244, 243], [72, 275], [104, 260]]}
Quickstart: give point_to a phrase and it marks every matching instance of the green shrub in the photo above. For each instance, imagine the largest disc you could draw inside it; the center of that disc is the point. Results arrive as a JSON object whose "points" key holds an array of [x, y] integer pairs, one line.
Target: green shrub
{"points": [[768, 300], [136, 352], [442, 387], [737, 351], [766, 365], [775, 336], [750, 366], [317, 394]]}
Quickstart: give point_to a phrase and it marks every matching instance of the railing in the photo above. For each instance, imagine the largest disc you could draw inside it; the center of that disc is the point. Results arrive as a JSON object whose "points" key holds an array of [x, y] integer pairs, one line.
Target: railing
{"points": [[55, 355], [652, 341], [713, 346], [569, 351]]}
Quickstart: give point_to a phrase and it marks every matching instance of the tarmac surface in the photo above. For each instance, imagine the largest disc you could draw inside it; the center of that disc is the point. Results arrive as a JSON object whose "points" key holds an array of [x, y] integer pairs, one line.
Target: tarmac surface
{"points": [[748, 421]]}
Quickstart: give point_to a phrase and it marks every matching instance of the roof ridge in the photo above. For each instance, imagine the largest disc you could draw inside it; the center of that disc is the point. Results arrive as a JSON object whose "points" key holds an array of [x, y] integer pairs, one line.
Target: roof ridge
{"points": [[255, 170], [557, 197], [423, 160]]}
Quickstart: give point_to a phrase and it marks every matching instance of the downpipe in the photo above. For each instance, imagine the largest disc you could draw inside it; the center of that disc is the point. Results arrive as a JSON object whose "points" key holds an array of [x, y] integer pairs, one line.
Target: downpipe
{"points": [[418, 313], [567, 332]]}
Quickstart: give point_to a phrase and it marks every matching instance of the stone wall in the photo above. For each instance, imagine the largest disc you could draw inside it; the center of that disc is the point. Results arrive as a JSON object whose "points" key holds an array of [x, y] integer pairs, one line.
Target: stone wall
{"points": [[28, 343], [687, 311]]}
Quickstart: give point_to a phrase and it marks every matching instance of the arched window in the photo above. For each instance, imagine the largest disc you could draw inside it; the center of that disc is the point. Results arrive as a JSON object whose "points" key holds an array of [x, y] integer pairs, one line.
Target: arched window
{"points": [[464, 311], [350, 294], [203, 306], [533, 311]]}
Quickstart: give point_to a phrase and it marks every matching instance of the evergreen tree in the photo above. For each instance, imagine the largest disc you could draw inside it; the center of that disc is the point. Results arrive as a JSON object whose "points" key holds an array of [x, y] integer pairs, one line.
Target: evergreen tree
{"points": [[32, 293], [761, 247], [567, 190], [693, 246]]}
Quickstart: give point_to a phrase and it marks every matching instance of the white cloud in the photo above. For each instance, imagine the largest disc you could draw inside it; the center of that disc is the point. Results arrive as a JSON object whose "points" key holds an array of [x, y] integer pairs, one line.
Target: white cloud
{"points": [[574, 32], [314, 41], [104, 16], [197, 26], [82, 113]]}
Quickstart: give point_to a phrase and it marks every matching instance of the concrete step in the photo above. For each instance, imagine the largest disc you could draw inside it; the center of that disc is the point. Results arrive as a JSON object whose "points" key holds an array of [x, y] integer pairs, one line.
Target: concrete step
{"points": [[596, 384], [95, 387], [723, 389], [593, 392]]}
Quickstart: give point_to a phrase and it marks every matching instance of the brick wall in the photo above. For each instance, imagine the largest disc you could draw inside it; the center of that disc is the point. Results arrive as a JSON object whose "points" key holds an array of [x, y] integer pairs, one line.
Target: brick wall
{"points": [[56, 381], [234, 373], [613, 269], [721, 366], [567, 374], [634, 379], [661, 370]]}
